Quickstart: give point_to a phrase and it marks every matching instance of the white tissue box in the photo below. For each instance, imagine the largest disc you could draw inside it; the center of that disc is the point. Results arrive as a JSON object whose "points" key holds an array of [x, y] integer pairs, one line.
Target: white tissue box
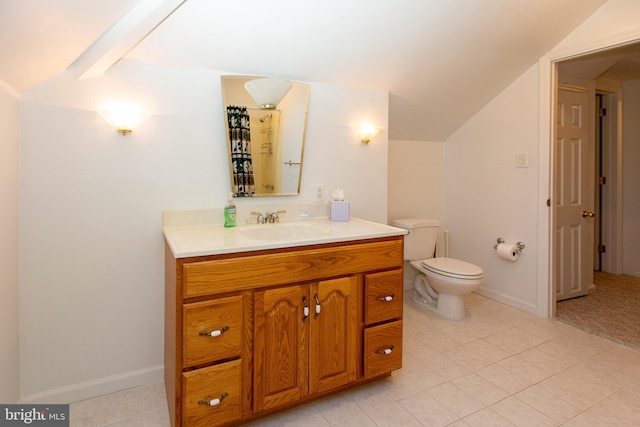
{"points": [[339, 211]]}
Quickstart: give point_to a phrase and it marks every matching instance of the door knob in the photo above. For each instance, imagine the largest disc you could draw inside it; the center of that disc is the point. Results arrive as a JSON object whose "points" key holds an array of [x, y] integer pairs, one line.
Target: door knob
{"points": [[587, 214]]}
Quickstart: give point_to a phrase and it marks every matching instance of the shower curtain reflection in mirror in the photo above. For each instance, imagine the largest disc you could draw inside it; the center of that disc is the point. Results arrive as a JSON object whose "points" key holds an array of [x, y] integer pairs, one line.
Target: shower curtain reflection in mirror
{"points": [[239, 124]]}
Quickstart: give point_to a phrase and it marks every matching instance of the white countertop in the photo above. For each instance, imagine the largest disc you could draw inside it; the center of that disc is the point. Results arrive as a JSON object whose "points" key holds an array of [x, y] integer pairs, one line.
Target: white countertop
{"points": [[212, 239]]}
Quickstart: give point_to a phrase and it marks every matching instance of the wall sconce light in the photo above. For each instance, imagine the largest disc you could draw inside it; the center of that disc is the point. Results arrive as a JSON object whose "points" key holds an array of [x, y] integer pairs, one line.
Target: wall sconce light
{"points": [[268, 92], [366, 132], [124, 118]]}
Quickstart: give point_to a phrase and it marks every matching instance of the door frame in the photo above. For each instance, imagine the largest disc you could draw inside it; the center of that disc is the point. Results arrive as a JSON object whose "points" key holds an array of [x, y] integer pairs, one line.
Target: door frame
{"points": [[611, 217], [548, 89]]}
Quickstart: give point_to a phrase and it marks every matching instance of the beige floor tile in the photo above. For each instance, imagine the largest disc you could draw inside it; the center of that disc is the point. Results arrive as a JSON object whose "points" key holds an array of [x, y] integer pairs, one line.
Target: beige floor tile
{"points": [[619, 409], [574, 389], [487, 417], [503, 378], [521, 414], [524, 369], [360, 420], [456, 399], [468, 358], [515, 340], [427, 410], [392, 415], [481, 389], [487, 350], [550, 405], [337, 408], [548, 363]]}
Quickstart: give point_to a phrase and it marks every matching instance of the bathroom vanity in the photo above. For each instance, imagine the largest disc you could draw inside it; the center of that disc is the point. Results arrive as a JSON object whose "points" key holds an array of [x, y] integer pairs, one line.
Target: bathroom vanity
{"points": [[260, 318]]}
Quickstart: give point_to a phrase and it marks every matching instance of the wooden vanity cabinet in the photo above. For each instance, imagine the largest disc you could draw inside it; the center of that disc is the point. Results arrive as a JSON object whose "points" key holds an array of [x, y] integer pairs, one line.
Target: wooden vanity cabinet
{"points": [[252, 333]]}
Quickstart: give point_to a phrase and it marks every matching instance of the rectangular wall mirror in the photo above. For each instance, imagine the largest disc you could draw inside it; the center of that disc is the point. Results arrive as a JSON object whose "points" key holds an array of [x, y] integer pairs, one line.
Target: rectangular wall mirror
{"points": [[266, 122]]}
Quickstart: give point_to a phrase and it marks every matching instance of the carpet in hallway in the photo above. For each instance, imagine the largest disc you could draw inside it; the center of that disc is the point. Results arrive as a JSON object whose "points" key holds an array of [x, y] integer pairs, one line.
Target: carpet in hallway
{"points": [[612, 311]]}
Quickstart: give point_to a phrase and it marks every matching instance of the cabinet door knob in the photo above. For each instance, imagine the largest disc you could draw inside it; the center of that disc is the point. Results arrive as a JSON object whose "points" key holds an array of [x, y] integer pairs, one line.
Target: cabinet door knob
{"points": [[386, 299], [213, 402], [214, 333], [385, 350]]}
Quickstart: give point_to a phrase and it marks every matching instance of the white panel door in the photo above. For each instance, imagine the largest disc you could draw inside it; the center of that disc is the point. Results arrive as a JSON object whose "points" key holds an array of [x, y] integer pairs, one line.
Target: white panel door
{"points": [[573, 195]]}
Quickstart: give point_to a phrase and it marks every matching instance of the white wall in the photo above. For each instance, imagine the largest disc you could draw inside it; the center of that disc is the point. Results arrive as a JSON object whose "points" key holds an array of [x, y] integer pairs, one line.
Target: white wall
{"points": [[9, 332], [631, 178], [91, 307], [415, 179], [487, 197]]}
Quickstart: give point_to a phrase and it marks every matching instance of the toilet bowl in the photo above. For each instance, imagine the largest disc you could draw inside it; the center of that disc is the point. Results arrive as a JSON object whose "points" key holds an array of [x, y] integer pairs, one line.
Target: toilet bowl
{"points": [[440, 283]]}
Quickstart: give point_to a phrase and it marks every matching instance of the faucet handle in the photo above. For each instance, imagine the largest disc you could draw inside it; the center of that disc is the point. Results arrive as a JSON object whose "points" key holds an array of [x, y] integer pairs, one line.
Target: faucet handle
{"points": [[261, 218]]}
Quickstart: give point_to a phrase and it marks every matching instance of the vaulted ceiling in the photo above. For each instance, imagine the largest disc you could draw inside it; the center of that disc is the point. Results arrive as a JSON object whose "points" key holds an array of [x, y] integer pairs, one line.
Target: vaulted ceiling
{"points": [[440, 60]]}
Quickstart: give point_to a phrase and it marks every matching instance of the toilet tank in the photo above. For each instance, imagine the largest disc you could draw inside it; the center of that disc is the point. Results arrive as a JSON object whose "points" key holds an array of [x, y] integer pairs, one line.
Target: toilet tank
{"points": [[420, 243]]}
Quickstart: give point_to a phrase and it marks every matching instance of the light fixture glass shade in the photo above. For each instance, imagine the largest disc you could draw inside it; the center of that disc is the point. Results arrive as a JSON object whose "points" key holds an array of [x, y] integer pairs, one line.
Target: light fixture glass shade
{"points": [[268, 92], [367, 132], [124, 118]]}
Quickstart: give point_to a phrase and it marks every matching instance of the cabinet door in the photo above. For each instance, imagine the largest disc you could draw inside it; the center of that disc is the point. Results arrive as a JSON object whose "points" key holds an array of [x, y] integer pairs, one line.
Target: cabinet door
{"points": [[280, 346], [333, 334]]}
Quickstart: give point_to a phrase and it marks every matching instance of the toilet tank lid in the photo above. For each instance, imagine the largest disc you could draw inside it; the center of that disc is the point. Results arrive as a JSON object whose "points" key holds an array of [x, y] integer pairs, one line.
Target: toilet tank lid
{"points": [[410, 223]]}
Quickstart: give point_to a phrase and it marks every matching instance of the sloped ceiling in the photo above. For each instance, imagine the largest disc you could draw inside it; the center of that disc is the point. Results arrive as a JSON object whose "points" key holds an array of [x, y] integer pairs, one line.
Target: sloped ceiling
{"points": [[441, 61], [39, 39], [621, 64]]}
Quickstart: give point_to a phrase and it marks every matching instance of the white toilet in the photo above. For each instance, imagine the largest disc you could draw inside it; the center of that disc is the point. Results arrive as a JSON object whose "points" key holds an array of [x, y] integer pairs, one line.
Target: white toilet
{"points": [[440, 283]]}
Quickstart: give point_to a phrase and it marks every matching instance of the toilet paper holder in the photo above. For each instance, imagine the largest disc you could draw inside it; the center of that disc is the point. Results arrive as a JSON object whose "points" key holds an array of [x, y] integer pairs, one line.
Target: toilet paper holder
{"points": [[519, 245]]}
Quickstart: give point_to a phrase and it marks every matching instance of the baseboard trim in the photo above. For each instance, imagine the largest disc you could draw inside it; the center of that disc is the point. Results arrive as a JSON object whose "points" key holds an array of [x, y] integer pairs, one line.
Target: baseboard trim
{"points": [[95, 388], [510, 301]]}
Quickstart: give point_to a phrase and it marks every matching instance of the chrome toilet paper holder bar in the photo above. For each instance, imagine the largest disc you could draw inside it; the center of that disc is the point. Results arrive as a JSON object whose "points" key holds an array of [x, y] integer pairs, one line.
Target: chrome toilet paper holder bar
{"points": [[519, 245]]}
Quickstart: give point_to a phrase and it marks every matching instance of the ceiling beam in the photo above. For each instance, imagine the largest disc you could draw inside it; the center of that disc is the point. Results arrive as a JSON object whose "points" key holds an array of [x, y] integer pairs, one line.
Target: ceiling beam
{"points": [[123, 36]]}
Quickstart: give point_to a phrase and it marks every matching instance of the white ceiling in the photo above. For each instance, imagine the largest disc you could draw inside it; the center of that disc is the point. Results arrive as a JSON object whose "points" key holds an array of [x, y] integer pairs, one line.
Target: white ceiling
{"points": [[440, 60]]}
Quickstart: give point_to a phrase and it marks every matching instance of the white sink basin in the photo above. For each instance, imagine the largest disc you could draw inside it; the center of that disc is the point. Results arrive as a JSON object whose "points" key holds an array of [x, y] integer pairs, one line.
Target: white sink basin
{"points": [[285, 231]]}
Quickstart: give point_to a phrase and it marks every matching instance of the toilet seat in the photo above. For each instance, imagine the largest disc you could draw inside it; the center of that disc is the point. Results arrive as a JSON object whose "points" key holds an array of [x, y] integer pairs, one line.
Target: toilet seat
{"points": [[453, 268]]}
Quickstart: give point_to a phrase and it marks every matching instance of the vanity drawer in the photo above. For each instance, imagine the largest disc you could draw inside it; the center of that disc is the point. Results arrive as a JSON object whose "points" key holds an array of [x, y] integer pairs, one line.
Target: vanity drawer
{"points": [[382, 349], [212, 330], [289, 266], [383, 296], [201, 386]]}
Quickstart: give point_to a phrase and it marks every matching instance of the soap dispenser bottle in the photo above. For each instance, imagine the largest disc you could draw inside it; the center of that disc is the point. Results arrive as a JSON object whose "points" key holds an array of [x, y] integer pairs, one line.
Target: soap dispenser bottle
{"points": [[230, 212]]}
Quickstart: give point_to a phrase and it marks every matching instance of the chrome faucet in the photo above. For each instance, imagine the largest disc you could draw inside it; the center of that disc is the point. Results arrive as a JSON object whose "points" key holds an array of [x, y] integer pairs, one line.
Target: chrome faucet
{"points": [[268, 217], [261, 218], [274, 216]]}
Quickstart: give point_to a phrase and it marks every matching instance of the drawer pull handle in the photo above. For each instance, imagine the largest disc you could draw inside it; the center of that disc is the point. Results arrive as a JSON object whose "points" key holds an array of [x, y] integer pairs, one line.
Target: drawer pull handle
{"points": [[214, 402], [386, 299], [385, 351], [315, 297], [305, 310], [215, 333]]}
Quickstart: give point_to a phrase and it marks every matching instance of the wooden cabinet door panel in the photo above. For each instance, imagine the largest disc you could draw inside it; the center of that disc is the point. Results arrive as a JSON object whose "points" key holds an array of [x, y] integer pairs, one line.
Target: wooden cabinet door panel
{"points": [[280, 346], [333, 342]]}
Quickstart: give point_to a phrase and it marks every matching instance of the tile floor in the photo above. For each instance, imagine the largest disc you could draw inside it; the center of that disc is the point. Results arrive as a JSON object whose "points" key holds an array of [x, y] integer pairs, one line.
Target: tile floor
{"points": [[499, 367]]}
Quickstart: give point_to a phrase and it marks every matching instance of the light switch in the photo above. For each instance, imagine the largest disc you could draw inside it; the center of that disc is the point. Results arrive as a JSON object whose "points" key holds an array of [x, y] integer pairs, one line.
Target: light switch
{"points": [[522, 159]]}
